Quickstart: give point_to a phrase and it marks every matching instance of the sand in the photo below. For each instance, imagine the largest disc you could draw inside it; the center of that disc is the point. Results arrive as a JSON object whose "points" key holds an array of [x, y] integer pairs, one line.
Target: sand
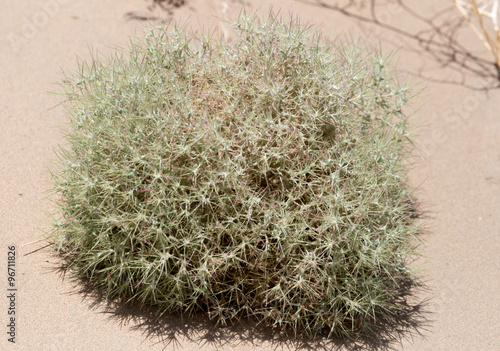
{"points": [[457, 171]]}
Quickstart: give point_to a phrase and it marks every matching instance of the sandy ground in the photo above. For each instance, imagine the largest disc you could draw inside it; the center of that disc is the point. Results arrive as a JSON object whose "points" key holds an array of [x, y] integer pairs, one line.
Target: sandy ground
{"points": [[457, 170]]}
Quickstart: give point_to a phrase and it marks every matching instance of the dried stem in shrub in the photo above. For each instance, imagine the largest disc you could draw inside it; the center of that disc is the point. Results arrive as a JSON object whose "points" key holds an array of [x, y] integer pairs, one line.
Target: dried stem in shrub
{"points": [[482, 17]]}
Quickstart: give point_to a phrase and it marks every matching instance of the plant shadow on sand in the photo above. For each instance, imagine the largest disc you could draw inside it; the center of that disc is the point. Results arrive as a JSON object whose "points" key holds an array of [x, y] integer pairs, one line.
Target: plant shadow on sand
{"points": [[163, 7], [435, 37], [172, 330]]}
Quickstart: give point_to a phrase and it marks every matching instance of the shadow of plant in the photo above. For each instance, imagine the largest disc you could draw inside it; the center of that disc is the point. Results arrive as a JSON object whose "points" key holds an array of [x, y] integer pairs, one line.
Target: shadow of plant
{"points": [[172, 330], [435, 37], [167, 6]]}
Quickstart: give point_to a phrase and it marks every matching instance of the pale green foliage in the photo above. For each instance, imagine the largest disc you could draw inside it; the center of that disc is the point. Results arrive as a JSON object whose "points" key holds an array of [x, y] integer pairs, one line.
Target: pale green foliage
{"points": [[262, 178]]}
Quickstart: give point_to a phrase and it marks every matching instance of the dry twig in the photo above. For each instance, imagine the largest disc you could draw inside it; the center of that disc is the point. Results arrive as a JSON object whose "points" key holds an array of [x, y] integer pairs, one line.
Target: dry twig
{"points": [[482, 17]]}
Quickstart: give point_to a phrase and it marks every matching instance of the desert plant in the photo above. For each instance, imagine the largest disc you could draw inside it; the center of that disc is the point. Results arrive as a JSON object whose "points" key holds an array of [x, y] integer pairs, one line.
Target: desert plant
{"points": [[482, 17], [260, 178]]}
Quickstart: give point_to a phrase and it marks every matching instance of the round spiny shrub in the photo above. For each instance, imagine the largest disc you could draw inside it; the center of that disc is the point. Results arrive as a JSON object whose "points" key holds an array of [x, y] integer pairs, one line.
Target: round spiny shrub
{"points": [[260, 178]]}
